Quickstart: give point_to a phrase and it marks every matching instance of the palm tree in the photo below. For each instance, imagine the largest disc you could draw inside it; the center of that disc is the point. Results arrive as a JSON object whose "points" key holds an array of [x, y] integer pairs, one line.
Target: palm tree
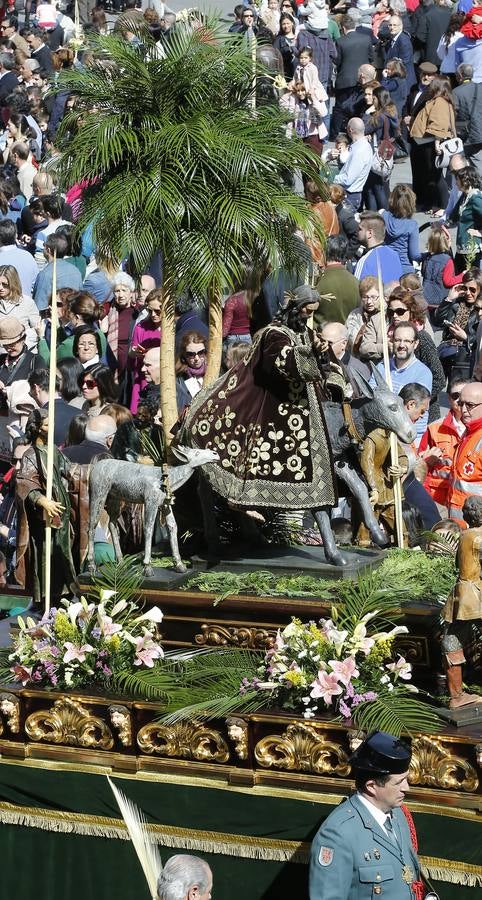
{"points": [[177, 161]]}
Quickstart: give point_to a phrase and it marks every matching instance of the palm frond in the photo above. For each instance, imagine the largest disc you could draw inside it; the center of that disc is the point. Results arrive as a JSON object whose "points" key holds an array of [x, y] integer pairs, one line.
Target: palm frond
{"points": [[203, 684], [125, 577], [397, 713], [6, 675], [366, 595], [147, 851]]}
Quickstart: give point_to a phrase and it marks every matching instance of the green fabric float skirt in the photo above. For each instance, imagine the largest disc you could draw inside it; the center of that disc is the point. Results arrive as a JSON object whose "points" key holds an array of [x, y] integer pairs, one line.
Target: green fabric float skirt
{"points": [[61, 836]]}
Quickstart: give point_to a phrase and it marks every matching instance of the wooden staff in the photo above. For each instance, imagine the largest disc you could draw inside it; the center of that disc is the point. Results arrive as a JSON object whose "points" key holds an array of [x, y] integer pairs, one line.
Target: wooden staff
{"points": [[397, 485], [252, 45], [50, 435]]}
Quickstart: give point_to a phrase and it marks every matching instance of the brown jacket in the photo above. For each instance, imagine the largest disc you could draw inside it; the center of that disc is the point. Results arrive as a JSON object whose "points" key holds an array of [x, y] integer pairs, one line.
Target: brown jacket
{"points": [[436, 119]]}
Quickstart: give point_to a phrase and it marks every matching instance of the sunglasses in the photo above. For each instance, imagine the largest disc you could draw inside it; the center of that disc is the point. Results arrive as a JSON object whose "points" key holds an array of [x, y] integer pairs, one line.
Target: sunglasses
{"points": [[192, 353], [471, 290], [399, 311], [89, 383]]}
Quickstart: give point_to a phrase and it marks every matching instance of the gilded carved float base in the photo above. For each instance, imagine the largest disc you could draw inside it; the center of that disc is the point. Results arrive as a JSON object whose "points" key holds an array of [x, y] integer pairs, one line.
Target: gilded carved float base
{"points": [[261, 749]]}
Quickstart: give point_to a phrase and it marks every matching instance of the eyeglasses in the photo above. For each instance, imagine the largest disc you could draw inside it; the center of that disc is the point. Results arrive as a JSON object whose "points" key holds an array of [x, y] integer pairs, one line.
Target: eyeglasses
{"points": [[89, 383], [399, 311], [192, 353], [455, 395], [468, 405], [471, 290]]}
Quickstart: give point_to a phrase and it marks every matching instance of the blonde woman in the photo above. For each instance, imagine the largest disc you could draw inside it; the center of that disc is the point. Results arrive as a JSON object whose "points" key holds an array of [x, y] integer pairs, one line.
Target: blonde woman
{"points": [[14, 303]]}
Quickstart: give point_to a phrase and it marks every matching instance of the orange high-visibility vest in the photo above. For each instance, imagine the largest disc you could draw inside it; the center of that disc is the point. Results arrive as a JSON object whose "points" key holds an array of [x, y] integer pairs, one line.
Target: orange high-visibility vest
{"points": [[466, 479], [441, 434]]}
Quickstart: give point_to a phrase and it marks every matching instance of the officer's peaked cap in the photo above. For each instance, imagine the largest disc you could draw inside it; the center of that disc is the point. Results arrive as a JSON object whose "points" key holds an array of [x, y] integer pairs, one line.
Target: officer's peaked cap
{"points": [[382, 754]]}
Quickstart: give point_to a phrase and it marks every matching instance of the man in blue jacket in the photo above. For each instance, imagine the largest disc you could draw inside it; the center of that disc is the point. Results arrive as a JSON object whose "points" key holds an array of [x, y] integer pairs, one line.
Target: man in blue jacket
{"points": [[364, 847]]}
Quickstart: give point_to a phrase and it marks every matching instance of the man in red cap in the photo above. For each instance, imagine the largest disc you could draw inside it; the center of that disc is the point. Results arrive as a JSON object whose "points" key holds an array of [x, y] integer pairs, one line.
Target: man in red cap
{"points": [[364, 848]]}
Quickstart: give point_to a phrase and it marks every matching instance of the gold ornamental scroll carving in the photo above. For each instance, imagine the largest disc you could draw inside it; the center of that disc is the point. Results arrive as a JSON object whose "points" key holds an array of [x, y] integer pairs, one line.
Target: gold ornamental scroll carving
{"points": [[184, 740], [302, 747], [250, 638], [69, 722], [436, 766]]}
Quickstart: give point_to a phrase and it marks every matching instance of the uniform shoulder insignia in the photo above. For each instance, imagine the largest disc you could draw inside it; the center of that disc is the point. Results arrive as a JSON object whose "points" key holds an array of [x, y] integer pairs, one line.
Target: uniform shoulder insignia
{"points": [[325, 856]]}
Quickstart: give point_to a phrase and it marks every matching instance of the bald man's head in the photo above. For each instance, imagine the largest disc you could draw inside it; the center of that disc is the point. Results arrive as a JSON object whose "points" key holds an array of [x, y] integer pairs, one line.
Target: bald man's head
{"points": [[471, 394], [151, 366], [336, 336], [101, 429], [146, 285]]}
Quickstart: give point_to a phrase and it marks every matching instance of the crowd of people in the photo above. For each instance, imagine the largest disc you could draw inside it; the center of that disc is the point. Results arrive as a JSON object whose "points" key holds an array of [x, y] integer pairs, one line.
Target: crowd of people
{"points": [[365, 87]]}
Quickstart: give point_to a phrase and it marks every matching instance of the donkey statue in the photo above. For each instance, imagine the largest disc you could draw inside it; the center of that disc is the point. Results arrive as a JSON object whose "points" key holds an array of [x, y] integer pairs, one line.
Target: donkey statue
{"points": [[113, 481]]}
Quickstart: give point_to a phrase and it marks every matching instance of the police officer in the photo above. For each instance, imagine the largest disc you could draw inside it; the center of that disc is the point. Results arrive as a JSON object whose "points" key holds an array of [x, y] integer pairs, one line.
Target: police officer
{"points": [[364, 850]]}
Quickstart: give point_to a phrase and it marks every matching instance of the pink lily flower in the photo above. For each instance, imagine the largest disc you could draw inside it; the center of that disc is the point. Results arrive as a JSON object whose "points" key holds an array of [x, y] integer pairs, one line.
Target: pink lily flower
{"points": [[326, 686], [22, 673], [107, 626], [73, 652], [401, 668], [147, 651], [345, 670]]}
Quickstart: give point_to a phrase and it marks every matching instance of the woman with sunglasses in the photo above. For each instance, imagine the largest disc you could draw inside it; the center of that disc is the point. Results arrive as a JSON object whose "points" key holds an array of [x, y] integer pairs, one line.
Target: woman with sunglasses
{"points": [[459, 318], [439, 443], [98, 389], [190, 368], [145, 336]]}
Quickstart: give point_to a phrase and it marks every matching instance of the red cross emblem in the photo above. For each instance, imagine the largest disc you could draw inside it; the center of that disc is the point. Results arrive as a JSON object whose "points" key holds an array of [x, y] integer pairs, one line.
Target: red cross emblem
{"points": [[469, 468]]}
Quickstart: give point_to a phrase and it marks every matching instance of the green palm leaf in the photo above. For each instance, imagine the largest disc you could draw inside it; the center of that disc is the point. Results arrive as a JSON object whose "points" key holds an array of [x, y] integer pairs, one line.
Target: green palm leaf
{"points": [[396, 712]]}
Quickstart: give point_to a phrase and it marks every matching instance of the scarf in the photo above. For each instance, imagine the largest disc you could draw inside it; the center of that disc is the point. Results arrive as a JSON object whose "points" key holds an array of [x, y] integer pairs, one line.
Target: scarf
{"points": [[196, 373]]}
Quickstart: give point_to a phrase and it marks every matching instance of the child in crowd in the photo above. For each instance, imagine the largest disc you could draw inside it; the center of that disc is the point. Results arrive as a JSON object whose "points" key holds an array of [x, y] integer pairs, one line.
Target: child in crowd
{"points": [[338, 154], [270, 15], [395, 82], [316, 13], [307, 115], [434, 262]]}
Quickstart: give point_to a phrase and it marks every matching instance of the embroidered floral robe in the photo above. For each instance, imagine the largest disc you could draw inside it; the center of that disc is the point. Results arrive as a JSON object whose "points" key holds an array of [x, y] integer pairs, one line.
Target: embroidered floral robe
{"points": [[264, 418]]}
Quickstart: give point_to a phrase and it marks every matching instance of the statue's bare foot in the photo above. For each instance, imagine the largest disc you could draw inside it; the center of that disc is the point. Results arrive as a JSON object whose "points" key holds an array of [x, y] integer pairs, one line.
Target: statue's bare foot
{"points": [[464, 699], [148, 571]]}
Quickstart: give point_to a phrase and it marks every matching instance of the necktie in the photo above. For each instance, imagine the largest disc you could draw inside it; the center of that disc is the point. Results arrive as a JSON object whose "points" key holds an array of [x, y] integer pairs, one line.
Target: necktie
{"points": [[389, 829]]}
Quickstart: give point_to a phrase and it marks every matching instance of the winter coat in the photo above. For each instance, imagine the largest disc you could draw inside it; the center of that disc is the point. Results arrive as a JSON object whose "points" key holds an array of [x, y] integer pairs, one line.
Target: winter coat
{"points": [[464, 95], [433, 265], [436, 118], [402, 236]]}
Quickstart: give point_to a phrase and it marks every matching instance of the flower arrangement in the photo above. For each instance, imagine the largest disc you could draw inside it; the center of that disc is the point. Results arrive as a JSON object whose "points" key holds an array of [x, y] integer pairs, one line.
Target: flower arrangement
{"points": [[319, 667], [82, 644]]}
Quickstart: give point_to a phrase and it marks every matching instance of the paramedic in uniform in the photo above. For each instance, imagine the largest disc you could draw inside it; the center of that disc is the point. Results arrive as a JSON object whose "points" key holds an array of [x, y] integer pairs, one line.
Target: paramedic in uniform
{"points": [[364, 849]]}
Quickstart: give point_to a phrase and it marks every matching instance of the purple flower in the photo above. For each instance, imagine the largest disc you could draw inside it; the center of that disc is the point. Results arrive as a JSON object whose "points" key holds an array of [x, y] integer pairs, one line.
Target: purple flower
{"points": [[370, 696], [37, 675], [54, 651], [106, 670], [95, 632], [344, 709]]}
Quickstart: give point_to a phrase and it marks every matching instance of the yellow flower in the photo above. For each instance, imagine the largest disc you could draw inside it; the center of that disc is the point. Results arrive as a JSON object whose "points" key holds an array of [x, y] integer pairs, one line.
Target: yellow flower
{"points": [[64, 629], [297, 679], [114, 643]]}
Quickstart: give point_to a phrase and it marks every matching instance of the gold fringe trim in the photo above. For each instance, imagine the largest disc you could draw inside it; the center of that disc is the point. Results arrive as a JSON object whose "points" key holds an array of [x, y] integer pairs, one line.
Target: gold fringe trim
{"points": [[452, 871], [239, 845]]}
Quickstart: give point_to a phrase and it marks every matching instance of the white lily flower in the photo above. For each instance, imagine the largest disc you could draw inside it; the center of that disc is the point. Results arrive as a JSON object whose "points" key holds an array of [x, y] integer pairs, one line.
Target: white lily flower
{"points": [[73, 611], [106, 595], [119, 607], [153, 614]]}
